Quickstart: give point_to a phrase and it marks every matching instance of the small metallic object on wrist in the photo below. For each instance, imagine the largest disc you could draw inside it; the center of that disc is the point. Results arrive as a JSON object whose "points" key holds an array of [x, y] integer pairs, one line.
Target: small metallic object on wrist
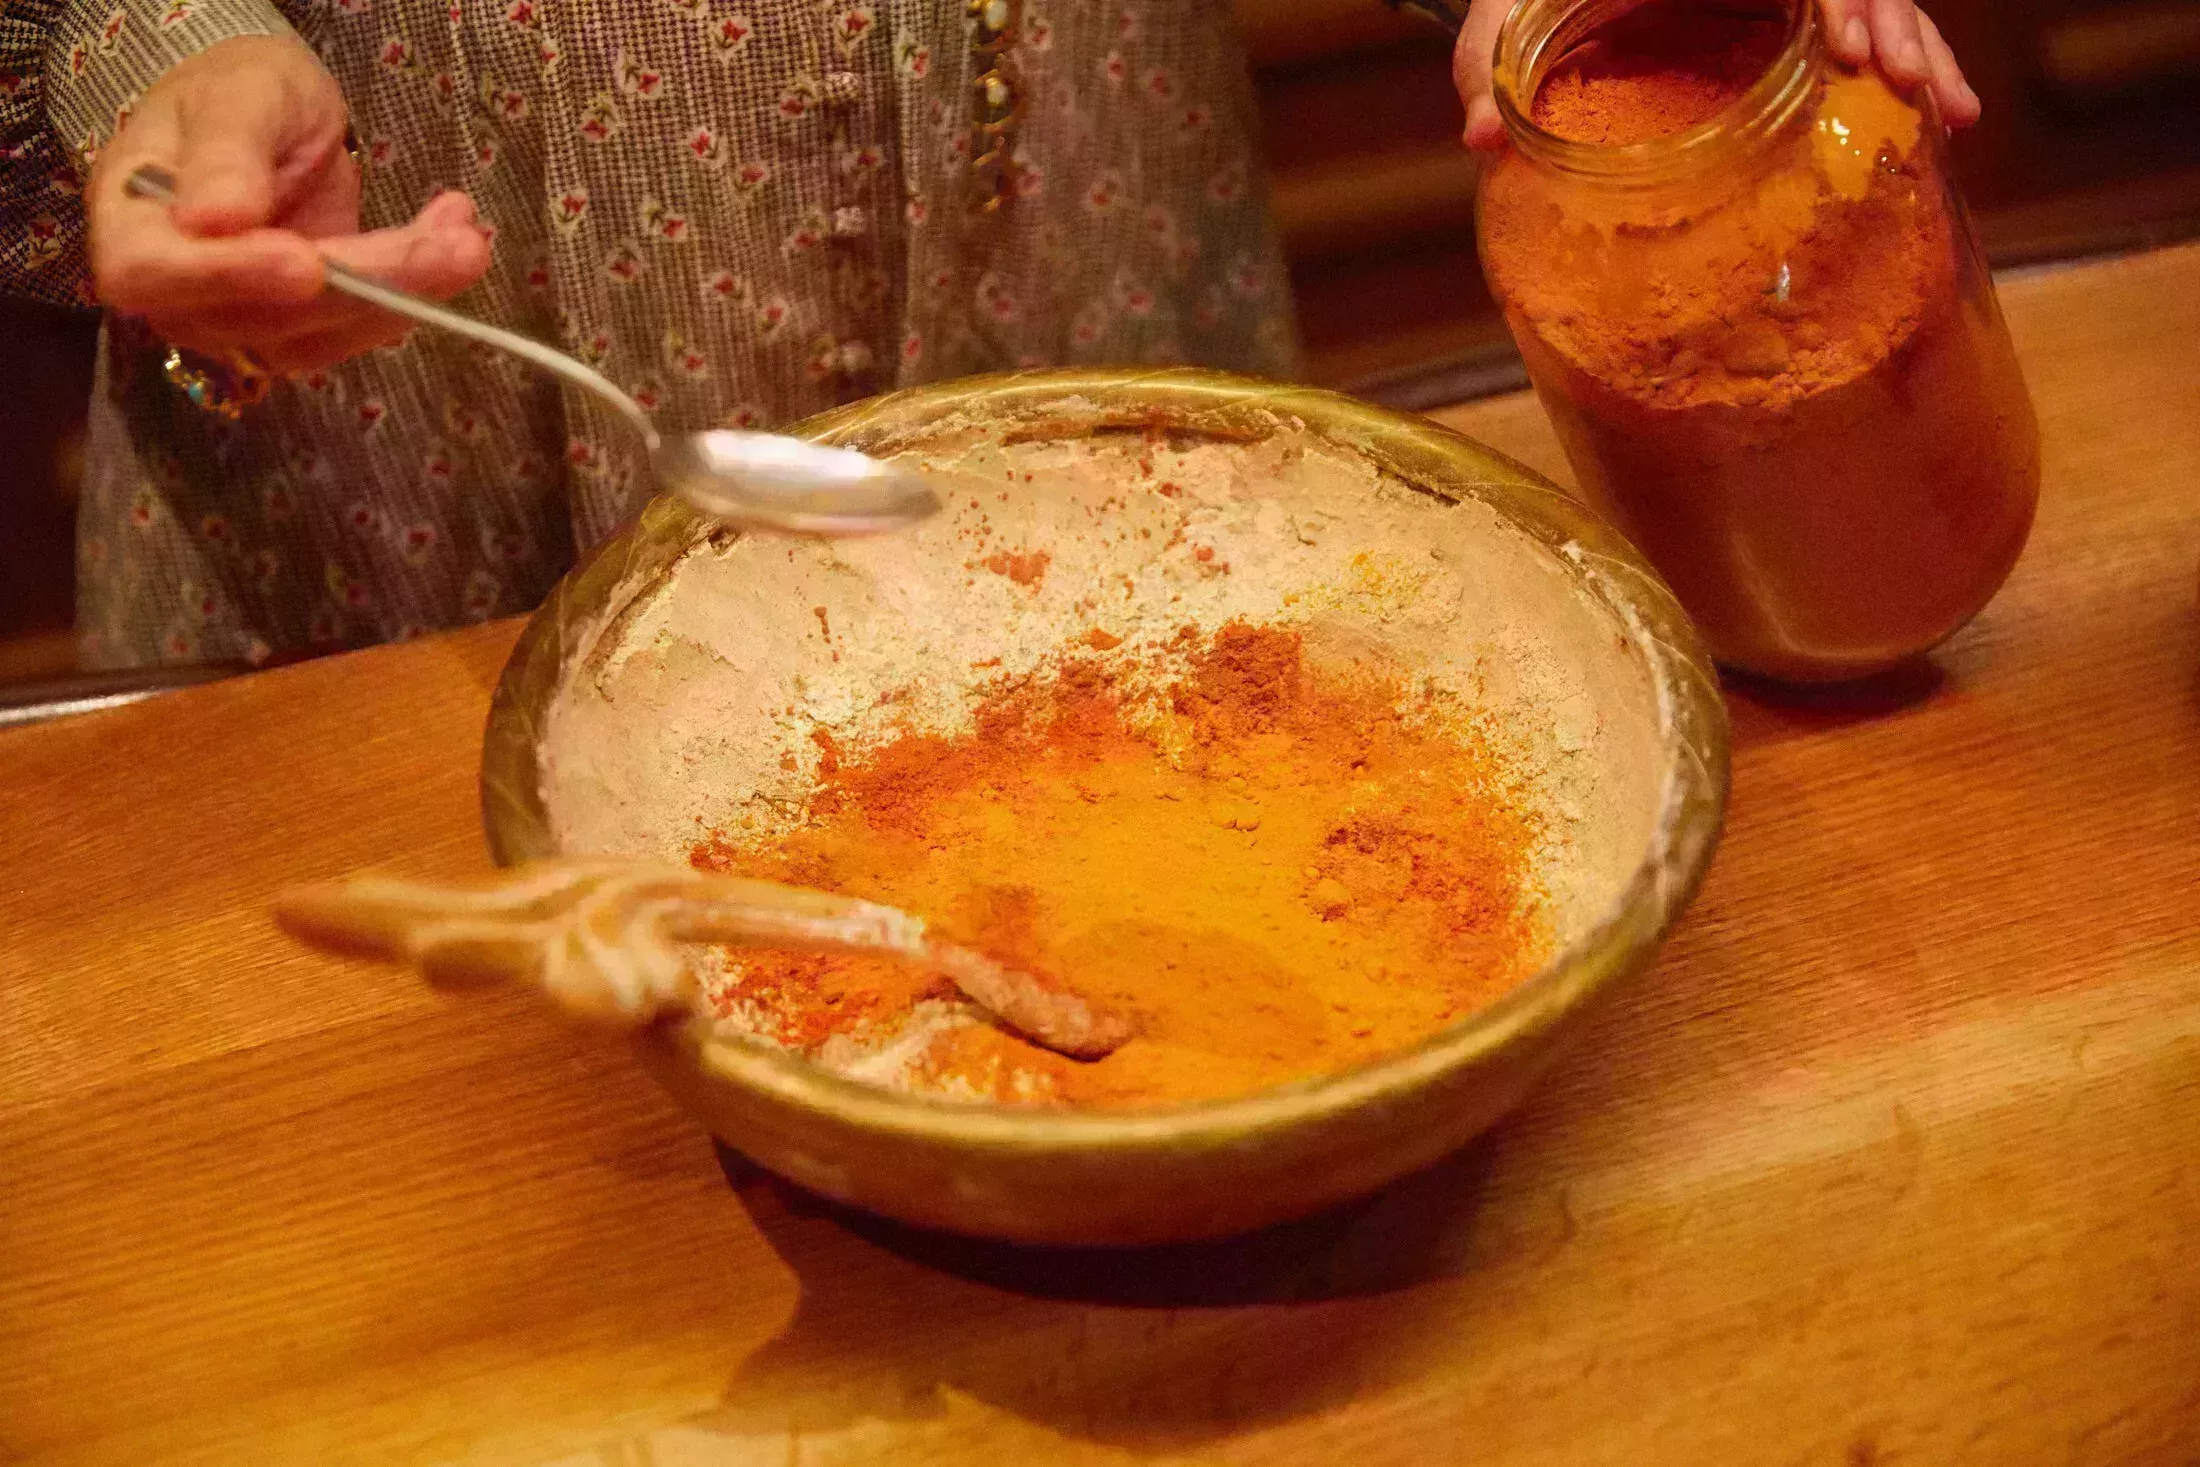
{"points": [[223, 388]]}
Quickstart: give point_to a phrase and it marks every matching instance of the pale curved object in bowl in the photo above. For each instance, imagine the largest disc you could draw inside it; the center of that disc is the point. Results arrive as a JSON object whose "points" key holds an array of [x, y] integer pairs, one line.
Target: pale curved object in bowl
{"points": [[605, 938], [1137, 1177]]}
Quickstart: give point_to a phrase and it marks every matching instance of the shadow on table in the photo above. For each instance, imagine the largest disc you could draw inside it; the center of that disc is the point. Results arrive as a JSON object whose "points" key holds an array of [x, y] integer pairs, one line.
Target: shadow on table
{"points": [[1152, 1347], [1764, 711], [1411, 1232]]}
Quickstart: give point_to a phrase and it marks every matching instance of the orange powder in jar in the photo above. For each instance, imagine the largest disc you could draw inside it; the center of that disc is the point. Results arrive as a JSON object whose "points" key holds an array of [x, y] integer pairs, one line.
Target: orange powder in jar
{"points": [[1785, 378], [1649, 74], [1275, 871]]}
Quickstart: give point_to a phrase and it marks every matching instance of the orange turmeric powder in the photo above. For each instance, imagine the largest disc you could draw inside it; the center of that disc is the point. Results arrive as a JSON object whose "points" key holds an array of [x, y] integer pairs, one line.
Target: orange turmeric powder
{"points": [[1780, 371], [1274, 869]]}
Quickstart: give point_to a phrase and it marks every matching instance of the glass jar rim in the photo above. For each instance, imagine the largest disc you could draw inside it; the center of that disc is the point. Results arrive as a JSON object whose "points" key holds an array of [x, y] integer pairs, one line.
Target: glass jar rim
{"points": [[1538, 34]]}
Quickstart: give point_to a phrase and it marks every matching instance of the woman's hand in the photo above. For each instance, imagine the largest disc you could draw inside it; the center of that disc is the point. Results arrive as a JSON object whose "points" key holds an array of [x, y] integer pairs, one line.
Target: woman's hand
{"points": [[1900, 36], [253, 131]]}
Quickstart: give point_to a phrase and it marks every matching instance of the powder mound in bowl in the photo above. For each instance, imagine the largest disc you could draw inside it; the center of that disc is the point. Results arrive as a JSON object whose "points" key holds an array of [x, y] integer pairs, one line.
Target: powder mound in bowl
{"points": [[1277, 869], [1288, 762]]}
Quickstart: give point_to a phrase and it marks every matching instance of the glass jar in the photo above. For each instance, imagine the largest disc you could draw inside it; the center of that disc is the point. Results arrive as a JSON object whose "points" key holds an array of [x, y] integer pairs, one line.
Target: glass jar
{"points": [[1771, 349]]}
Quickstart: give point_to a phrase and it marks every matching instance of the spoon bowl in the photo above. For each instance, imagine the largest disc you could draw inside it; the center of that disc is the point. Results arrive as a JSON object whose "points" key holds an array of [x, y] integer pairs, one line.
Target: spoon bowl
{"points": [[767, 481]]}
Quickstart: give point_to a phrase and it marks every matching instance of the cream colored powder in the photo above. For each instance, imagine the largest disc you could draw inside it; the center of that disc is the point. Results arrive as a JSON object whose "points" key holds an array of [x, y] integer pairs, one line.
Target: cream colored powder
{"points": [[695, 709]]}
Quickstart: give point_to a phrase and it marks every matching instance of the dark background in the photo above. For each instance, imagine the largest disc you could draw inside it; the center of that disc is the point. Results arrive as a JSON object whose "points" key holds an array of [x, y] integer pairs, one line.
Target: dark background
{"points": [[2091, 143]]}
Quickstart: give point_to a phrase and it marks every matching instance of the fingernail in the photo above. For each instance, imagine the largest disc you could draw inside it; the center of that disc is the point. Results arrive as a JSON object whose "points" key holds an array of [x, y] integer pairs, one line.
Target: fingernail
{"points": [[1856, 39], [1913, 59]]}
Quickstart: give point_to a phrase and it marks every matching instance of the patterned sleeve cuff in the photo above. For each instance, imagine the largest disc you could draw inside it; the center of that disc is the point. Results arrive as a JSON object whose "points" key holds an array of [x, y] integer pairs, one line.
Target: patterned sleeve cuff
{"points": [[70, 70]]}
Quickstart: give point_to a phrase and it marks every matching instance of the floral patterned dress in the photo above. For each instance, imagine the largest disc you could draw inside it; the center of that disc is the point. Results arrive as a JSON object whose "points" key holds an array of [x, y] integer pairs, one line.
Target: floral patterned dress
{"points": [[744, 211]]}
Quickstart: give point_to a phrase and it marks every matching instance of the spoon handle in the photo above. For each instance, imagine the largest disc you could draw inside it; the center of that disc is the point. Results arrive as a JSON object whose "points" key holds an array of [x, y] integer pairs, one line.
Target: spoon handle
{"points": [[603, 935], [150, 181]]}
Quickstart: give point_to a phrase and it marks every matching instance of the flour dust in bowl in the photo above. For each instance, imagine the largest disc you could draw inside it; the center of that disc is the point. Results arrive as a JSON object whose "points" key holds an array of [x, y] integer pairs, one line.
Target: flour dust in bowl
{"points": [[1345, 760]]}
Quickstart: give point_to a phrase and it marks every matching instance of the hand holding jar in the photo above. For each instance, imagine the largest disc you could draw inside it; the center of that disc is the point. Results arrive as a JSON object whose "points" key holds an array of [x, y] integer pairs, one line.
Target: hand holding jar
{"points": [[1900, 38], [1750, 300]]}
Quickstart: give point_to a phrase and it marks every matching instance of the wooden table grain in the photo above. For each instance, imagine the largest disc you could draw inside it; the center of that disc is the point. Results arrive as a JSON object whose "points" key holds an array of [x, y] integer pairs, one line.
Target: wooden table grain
{"points": [[1893, 1158]]}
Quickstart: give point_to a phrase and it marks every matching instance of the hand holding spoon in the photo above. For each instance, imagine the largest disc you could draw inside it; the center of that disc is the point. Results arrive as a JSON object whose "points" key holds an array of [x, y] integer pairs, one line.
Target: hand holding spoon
{"points": [[757, 481], [602, 935]]}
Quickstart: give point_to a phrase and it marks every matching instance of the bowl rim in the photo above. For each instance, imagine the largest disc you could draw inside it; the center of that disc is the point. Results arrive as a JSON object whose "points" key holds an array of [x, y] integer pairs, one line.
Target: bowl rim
{"points": [[1421, 453]]}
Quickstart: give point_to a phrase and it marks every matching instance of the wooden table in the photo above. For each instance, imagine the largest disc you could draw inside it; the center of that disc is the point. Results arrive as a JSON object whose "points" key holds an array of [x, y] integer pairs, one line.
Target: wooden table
{"points": [[1894, 1158]]}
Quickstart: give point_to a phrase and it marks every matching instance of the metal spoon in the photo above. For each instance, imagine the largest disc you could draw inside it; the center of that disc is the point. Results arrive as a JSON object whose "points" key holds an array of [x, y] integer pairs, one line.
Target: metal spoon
{"points": [[760, 481]]}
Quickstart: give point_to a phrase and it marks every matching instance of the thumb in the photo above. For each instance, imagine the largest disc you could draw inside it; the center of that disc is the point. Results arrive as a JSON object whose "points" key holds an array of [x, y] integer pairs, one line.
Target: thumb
{"points": [[230, 145], [1470, 71], [437, 255]]}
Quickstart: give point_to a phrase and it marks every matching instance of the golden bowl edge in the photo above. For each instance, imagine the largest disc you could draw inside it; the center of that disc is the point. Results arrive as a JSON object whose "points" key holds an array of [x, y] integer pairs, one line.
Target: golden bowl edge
{"points": [[1193, 1171]]}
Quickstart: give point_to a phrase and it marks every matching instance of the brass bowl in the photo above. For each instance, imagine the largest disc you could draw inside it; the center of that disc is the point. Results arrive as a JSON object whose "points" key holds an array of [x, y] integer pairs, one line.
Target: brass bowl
{"points": [[1193, 1171]]}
